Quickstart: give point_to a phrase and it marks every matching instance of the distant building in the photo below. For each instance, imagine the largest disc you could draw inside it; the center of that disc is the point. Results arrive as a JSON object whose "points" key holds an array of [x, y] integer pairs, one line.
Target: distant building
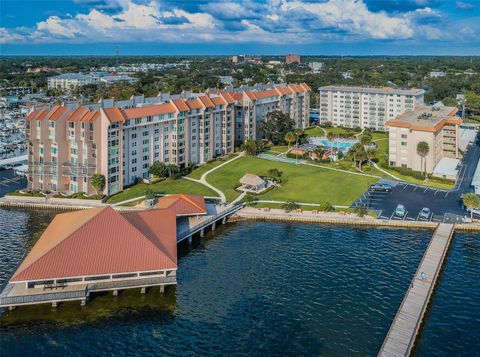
{"points": [[292, 58], [226, 80], [235, 59], [347, 75], [438, 126], [252, 183], [15, 91], [68, 81], [365, 107], [437, 74], [111, 79], [316, 67]]}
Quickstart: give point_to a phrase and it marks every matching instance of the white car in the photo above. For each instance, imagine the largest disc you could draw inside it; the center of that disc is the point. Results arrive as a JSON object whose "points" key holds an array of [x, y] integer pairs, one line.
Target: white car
{"points": [[400, 211]]}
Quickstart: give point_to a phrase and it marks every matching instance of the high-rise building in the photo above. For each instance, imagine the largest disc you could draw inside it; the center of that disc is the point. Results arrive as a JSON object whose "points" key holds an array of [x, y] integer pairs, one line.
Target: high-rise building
{"points": [[292, 58], [122, 139], [365, 107], [438, 126]]}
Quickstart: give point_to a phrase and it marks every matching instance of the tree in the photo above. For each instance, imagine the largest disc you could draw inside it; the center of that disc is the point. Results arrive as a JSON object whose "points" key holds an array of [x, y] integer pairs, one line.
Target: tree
{"points": [[331, 138], [149, 194], [274, 174], [98, 182], [371, 154], [319, 151], [471, 201], [172, 170], [249, 147], [249, 200], [289, 138], [290, 205], [276, 126], [422, 151], [158, 169], [366, 139]]}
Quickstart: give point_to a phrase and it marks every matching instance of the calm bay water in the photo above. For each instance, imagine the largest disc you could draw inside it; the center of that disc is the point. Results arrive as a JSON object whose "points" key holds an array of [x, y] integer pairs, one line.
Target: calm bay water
{"points": [[252, 288]]}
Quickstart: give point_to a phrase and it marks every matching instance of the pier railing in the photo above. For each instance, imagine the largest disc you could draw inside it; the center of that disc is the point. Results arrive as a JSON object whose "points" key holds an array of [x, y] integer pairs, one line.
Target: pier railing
{"points": [[44, 297], [111, 285]]}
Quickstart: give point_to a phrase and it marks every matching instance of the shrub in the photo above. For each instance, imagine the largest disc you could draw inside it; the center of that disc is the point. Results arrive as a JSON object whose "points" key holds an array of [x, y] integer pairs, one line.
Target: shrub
{"points": [[289, 206], [360, 211], [326, 207]]}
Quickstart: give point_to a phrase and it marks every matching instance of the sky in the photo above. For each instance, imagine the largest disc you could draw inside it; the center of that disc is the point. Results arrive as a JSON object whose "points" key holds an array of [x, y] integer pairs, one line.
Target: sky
{"points": [[225, 27]]}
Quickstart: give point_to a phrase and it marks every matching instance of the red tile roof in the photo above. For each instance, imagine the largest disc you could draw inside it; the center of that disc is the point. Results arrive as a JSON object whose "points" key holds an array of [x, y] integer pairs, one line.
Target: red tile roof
{"points": [[228, 97], [101, 241], [56, 112], [164, 108], [194, 104], [181, 105], [250, 94], [183, 204], [218, 101], [78, 114], [114, 114], [206, 101], [266, 94]]}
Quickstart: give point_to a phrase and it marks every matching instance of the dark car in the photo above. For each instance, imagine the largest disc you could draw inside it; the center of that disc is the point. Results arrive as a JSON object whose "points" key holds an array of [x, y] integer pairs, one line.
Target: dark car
{"points": [[385, 187]]}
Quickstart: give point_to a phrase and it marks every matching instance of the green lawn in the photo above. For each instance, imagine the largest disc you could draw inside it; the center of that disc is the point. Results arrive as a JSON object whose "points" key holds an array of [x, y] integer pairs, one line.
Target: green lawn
{"points": [[164, 187], [199, 171], [314, 131], [299, 182], [278, 149]]}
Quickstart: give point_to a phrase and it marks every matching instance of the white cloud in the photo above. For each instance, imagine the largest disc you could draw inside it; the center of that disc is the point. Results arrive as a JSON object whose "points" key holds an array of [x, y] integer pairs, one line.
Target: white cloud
{"points": [[276, 21]]}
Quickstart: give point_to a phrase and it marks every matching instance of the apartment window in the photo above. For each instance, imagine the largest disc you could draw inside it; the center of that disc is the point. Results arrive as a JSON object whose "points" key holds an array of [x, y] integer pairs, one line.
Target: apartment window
{"points": [[134, 136], [403, 143], [145, 133], [404, 136]]}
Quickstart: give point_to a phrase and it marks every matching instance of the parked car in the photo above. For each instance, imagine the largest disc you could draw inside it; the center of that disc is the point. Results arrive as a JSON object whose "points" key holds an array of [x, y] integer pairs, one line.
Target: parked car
{"points": [[424, 213], [400, 211], [385, 187]]}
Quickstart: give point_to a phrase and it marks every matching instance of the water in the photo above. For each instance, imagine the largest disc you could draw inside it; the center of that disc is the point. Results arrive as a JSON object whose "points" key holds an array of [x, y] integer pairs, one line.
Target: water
{"points": [[342, 145], [452, 326], [253, 288], [8, 186]]}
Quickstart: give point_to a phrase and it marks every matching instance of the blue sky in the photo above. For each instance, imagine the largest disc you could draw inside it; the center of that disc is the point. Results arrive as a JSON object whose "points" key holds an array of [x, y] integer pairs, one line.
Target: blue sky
{"points": [[172, 27]]}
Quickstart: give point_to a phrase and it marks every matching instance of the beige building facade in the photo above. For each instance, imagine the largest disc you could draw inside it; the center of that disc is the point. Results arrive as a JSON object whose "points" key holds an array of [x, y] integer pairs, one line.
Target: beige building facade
{"points": [[437, 126], [121, 140]]}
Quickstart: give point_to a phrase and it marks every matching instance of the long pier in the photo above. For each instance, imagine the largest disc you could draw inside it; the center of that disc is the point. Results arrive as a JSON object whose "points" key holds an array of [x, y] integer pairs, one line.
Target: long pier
{"points": [[404, 329]]}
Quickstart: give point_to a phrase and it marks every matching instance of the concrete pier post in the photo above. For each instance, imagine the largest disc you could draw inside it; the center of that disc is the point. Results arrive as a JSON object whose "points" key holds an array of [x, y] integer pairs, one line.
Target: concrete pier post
{"points": [[214, 225], [115, 292], [143, 290], [54, 304], [190, 240], [202, 232], [162, 288], [11, 308], [224, 220], [83, 302]]}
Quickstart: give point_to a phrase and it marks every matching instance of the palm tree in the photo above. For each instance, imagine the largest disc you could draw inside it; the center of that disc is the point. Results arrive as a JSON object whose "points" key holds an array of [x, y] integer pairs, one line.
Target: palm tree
{"points": [[366, 139], [331, 138], [371, 154], [298, 133], [422, 151], [471, 201], [289, 138], [319, 151]]}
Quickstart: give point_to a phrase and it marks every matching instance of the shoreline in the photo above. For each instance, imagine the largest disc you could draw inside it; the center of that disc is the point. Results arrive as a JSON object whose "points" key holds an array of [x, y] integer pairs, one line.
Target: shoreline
{"points": [[334, 218], [261, 214]]}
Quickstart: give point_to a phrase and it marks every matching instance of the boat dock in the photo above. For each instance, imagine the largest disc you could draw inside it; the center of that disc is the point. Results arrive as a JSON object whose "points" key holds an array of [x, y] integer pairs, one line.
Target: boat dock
{"points": [[404, 329]]}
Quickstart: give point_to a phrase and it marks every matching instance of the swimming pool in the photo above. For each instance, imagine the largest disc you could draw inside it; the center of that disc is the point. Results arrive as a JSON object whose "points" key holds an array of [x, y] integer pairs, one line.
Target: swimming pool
{"points": [[342, 145]]}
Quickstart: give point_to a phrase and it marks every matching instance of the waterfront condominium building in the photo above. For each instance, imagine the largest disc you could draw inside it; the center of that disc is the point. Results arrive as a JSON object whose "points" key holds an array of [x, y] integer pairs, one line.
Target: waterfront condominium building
{"points": [[365, 107], [438, 126], [122, 139]]}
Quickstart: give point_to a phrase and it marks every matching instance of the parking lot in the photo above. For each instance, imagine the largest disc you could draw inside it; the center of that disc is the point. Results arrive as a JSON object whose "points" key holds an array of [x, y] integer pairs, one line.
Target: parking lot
{"points": [[445, 206]]}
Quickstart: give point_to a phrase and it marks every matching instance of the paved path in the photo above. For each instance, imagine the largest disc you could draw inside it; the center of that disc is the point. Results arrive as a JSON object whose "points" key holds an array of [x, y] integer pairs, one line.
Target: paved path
{"points": [[404, 329], [300, 203], [203, 178], [385, 172], [340, 170]]}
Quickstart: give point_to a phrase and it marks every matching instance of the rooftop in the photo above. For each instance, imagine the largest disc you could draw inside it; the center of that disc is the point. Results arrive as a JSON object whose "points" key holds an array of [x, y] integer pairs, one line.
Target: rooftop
{"points": [[373, 90], [426, 118]]}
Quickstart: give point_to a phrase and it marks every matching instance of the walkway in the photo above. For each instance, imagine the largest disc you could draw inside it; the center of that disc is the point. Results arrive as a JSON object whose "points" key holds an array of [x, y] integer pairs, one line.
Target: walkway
{"points": [[203, 178], [404, 329], [385, 172]]}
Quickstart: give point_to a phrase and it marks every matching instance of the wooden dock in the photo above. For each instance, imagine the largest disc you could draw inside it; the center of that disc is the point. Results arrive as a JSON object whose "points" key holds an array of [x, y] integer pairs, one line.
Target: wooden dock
{"points": [[404, 329]]}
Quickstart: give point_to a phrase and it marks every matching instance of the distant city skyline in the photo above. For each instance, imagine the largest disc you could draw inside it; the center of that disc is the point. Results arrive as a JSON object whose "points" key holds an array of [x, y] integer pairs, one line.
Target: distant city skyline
{"points": [[270, 27]]}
